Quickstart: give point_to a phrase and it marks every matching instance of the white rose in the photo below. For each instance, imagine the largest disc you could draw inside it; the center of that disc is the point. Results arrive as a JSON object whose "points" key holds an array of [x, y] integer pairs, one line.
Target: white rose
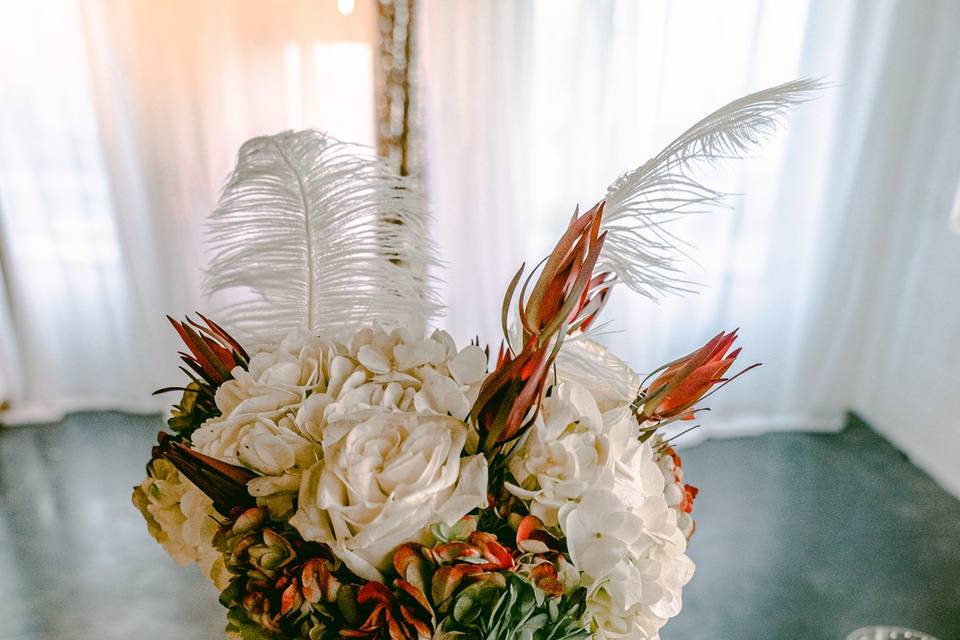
{"points": [[399, 371], [267, 446], [384, 478], [273, 446], [259, 407]]}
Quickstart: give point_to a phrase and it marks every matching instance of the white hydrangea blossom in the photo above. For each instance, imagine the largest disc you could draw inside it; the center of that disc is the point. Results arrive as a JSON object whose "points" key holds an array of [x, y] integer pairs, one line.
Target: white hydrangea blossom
{"points": [[674, 493], [584, 470], [567, 451], [642, 576]]}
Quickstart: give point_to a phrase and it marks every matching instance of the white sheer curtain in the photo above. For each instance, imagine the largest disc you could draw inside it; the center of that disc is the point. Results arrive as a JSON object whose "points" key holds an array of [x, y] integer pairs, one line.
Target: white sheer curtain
{"points": [[119, 121], [535, 107]]}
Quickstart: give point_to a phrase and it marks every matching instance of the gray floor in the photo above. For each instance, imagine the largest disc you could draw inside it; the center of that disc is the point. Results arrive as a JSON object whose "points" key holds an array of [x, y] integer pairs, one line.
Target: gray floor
{"points": [[800, 536]]}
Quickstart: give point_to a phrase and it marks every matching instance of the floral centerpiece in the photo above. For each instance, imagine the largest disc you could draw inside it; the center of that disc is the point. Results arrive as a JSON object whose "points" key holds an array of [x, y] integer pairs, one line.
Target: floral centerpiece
{"points": [[338, 471]]}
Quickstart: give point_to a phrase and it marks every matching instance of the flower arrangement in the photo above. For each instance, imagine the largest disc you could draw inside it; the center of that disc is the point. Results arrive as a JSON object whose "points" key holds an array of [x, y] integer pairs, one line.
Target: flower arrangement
{"points": [[340, 472]]}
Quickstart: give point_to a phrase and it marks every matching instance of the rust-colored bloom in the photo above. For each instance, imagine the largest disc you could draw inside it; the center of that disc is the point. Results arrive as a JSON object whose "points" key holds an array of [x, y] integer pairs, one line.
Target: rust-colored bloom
{"points": [[547, 579], [225, 484], [211, 356], [213, 352], [497, 556], [689, 495], [470, 560], [533, 537], [405, 615], [682, 383], [281, 582], [565, 298]]}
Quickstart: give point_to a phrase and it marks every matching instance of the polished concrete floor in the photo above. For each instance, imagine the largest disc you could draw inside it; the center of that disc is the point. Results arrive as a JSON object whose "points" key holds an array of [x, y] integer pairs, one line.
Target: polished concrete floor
{"points": [[800, 536]]}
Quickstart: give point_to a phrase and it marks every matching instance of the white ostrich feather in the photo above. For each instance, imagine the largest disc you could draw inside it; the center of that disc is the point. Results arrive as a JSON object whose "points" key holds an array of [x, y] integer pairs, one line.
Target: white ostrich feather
{"points": [[639, 249], [312, 234], [585, 361]]}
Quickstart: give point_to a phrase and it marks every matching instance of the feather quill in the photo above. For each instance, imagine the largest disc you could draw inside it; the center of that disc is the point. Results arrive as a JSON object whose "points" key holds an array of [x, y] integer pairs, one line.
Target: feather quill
{"points": [[312, 234], [639, 248]]}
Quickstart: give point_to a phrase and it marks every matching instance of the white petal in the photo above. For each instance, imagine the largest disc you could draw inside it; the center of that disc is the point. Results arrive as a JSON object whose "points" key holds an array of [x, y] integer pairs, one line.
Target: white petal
{"points": [[469, 366], [359, 565], [442, 395], [373, 359], [266, 485], [520, 492], [417, 354], [583, 403], [599, 559], [470, 493], [596, 505]]}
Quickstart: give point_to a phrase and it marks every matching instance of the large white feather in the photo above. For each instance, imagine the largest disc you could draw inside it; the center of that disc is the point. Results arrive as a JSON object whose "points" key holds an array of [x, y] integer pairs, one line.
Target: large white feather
{"points": [[639, 249], [313, 234]]}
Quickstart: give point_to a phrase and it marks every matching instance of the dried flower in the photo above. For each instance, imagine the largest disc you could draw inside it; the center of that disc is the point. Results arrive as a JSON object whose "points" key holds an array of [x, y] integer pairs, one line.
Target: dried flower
{"points": [[682, 383], [566, 297]]}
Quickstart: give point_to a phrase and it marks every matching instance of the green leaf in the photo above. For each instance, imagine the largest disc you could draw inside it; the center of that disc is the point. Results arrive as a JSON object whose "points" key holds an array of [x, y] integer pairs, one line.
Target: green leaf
{"points": [[519, 612], [233, 594], [463, 528], [440, 531], [347, 603], [473, 600], [238, 622]]}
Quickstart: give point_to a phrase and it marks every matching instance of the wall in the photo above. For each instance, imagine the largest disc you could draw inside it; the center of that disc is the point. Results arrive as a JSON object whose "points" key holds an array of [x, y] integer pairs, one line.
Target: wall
{"points": [[908, 287]]}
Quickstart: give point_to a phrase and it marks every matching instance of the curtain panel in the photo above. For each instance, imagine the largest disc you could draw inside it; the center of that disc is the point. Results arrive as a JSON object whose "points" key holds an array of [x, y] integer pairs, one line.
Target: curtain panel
{"points": [[537, 107], [119, 123], [120, 120]]}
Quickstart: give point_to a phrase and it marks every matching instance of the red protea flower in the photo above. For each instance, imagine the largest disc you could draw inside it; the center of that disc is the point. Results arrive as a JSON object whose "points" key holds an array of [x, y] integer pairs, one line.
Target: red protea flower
{"points": [[225, 484], [212, 356], [684, 382], [213, 352], [566, 298]]}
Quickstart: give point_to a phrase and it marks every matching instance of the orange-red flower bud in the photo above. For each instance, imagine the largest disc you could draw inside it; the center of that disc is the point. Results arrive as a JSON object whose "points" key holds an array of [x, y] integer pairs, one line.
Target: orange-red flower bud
{"points": [[674, 392]]}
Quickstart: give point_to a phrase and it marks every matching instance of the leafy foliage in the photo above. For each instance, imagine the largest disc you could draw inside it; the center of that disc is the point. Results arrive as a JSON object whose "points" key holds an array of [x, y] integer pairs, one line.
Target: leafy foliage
{"points": [[519, 611], [239, 625]]}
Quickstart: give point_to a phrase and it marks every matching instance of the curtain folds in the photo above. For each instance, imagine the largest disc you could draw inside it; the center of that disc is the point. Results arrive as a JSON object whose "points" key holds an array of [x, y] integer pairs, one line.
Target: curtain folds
{"points": [[533, 109], [119, 123], [120, 120]]}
